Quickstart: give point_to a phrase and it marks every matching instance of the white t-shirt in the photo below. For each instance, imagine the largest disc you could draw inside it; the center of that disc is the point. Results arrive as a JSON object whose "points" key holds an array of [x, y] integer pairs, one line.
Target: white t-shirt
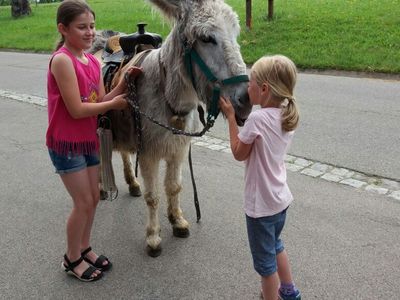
{"points": [[266, 191]]}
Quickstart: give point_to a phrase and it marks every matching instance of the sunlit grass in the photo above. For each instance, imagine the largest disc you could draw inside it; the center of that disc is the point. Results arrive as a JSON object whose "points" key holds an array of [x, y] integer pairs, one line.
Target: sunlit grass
{"points": [[336, 34], [362, 35]]}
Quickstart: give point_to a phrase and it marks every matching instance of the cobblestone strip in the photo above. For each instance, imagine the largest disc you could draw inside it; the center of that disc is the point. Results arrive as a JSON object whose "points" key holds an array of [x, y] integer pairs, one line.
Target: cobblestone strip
{"points": [[23, 98], [373, 184]]}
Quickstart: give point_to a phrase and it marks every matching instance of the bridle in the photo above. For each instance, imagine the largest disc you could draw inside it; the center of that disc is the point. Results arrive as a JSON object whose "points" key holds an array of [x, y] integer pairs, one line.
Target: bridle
{"points": [[192, 57]]}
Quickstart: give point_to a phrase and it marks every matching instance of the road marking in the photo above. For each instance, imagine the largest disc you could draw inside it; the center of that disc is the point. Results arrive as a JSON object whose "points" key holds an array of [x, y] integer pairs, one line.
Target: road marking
{"points": [[307, 167], [24, 98]]}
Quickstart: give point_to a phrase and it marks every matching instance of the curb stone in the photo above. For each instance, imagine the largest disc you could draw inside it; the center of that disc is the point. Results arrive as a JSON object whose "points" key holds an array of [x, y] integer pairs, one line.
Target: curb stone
{"points": [[315, 169], [307, 167]]}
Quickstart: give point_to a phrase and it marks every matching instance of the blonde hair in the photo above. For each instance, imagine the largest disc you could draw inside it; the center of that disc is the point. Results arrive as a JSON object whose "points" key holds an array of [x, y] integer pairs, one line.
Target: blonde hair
{"points": [[67, 11], [280, 74]]}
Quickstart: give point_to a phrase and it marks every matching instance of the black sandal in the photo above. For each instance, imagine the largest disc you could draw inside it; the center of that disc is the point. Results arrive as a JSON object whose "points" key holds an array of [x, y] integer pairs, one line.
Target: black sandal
{"points": [[86, 276], [99, 263]]}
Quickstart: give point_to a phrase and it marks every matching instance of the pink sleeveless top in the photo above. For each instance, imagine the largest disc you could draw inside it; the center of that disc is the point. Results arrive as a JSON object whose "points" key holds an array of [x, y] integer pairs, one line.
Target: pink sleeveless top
{"points": [[66, 134]]}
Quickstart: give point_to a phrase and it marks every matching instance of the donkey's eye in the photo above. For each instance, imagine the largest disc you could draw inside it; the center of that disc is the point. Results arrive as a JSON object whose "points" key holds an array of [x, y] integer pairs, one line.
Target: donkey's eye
{"points": [[208, 39]]}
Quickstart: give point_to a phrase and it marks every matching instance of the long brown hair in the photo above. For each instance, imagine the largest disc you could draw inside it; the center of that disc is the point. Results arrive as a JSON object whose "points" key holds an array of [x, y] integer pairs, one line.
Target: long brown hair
{"points": [[280, 74], [67, 12]]}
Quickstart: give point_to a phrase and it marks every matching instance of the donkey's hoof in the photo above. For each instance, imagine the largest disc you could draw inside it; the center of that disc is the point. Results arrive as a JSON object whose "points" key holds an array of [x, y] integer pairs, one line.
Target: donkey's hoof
{"points": [[153, 252], [180, 232], [135, 191]]}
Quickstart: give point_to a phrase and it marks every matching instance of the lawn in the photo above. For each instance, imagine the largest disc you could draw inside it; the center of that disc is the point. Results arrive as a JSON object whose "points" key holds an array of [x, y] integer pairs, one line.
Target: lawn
{"points": [[359, 35]]}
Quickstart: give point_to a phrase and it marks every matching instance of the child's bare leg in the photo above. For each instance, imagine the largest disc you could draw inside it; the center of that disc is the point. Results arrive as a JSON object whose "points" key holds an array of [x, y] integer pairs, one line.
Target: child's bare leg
{"points": [[270, 286], [93, 175], [77, 184], [287, 286], [284, 271]]}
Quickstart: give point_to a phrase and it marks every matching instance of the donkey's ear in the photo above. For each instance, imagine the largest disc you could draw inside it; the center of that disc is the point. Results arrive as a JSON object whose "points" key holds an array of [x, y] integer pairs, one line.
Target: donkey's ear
{"points": [[170, 8]]}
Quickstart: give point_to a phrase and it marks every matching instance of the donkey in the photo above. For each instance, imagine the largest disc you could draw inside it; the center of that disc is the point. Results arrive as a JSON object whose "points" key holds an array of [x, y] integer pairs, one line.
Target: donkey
{"points": [[169, 93]]}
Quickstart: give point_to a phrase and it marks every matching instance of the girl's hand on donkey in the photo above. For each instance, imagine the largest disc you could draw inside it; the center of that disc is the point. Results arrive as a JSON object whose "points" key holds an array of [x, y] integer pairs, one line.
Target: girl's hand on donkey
{"points": [[119, 102], [131, 73], [226, 106], [134, 72]]}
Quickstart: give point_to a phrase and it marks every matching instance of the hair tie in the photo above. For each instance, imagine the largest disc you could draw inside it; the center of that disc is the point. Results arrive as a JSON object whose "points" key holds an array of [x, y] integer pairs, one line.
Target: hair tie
{"points": [[285, 102]]}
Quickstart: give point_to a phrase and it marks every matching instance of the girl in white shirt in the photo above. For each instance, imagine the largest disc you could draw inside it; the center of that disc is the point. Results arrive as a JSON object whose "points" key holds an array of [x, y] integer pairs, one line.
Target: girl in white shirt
{"points": [[262, 144]]}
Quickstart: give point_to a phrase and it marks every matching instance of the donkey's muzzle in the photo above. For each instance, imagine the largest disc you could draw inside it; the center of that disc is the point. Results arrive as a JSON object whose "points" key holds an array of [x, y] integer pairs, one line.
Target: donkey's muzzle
{"points": [[239, 121], [242, 106]]}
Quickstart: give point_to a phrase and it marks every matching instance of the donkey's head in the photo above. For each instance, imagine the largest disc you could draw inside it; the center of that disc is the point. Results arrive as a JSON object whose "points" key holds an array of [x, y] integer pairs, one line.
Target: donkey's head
{"points": [[205, 36]]}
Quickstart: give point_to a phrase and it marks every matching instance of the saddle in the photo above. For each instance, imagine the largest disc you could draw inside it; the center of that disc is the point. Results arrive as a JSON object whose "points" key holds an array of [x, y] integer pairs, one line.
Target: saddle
{"points": [[130, 42], [119, 50]]}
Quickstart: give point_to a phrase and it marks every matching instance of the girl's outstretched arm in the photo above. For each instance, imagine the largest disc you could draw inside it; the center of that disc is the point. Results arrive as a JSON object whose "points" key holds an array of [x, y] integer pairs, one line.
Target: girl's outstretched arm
{"points": [[121, 87], [64, 74], [240, 150]]}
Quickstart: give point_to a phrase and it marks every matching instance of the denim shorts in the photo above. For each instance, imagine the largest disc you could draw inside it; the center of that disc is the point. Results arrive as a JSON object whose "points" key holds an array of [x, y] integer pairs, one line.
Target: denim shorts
{"points": [[72, 162], [265, 243]]}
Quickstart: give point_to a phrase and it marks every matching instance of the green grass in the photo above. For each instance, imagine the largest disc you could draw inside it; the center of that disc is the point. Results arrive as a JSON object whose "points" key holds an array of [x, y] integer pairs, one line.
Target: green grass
{"points": [[359, 35], [328, 34]]}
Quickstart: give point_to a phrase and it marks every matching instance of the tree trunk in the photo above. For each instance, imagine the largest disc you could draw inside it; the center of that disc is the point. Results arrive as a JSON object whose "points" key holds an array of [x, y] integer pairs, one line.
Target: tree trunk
{"points": [[270, 9], [248, 14], [20, 8]]}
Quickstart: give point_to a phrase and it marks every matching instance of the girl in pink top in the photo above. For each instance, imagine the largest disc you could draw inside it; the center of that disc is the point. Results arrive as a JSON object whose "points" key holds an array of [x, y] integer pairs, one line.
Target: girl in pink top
{"points": [[262, 144], [75, 97]]}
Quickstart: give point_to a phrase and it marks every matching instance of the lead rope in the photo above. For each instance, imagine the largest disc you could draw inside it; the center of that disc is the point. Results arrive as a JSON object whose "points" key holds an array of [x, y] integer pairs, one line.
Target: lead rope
{"points": [[133, 101], [195, 197]]}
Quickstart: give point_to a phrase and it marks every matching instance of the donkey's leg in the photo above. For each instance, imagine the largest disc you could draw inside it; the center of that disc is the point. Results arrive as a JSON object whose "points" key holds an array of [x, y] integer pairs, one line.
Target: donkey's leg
{"points": [[149, 170], [134, 186], [173, 187]]}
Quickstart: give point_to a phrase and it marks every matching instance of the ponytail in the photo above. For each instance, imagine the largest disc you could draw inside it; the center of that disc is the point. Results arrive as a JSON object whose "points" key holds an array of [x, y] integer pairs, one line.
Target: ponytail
{"points": [[280, 74], [59, 43], [290, 115]]}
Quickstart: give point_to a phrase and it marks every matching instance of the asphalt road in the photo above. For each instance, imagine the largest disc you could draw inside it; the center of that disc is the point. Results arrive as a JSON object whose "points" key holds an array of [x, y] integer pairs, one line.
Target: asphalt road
{"points": [[346, 121], [343, 242]]}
